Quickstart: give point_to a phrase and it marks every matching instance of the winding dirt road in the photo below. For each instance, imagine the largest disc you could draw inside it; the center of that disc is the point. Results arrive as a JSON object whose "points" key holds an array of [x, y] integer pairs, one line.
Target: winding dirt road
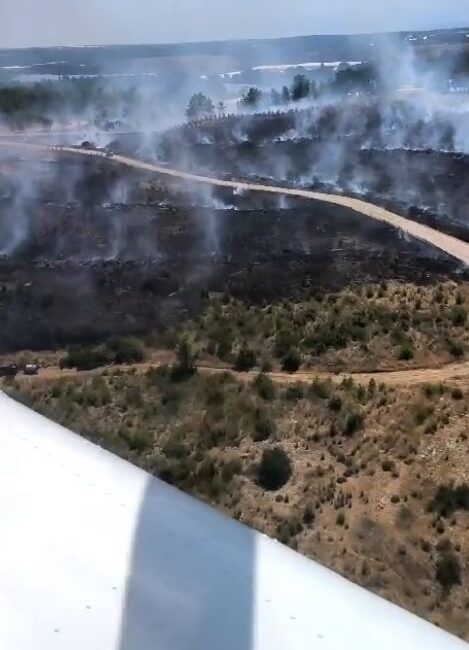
{"points": [[451, 245], [455, 373]]}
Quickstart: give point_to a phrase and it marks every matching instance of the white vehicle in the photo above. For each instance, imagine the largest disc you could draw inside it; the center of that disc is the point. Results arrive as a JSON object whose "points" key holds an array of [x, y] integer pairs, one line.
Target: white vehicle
{"points": [[98, 555]]}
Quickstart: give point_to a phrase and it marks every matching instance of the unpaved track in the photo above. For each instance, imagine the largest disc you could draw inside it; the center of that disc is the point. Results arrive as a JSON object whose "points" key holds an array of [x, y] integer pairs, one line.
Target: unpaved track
{"points": [[455, 373], [450, 245]]}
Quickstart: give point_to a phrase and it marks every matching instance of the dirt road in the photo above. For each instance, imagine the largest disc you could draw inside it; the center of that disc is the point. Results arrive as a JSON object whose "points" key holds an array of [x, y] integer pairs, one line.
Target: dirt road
{"points": [[454, 373], [450, 245]]}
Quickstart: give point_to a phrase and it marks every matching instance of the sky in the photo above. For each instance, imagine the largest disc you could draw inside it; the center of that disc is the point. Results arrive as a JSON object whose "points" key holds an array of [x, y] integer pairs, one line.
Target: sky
{"points": [[25, 23]]}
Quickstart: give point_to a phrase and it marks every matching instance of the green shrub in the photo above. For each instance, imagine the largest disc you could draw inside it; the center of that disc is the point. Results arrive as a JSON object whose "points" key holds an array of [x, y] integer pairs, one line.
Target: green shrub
{"points": [[449, 498], [457, 394], [388, 465], [264, 386], [422, 413], [335, 403], [448, 570], [85, 358], [274, 469], [126, 349], [266, 364], [185, 367], [246, 359], [137, 441], [134, 397], [353, 423], [309, 514], [430, 390], [319, 389], [406, 352], [291, 362], [264, 427], [456, 349], [284, 341], [294, 393], [458, 316]]}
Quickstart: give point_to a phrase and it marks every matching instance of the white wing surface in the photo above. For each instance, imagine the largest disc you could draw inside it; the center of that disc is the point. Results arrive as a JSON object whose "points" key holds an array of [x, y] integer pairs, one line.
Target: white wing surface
{"points": [[98, 555]]}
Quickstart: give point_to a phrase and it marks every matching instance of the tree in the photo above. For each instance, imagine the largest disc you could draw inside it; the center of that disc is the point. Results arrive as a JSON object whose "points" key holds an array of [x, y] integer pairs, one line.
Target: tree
{"points": [[126, 349], [252, 97], [275, 97], [246, 359], [292, 361], [274, 469], [301, 87], [185, 365], [265, 386], [406, 352], [285, 95], [199, 106], [221, 107]]}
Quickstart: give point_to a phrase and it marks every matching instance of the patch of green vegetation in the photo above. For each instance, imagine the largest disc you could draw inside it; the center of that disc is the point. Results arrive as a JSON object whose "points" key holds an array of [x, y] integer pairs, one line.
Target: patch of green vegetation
{"points": [[291, 362], [264, 386], [450, 498], [274, 469], [86, 358], [406, 352], [448, 570], [126, 350], [246, 359]]}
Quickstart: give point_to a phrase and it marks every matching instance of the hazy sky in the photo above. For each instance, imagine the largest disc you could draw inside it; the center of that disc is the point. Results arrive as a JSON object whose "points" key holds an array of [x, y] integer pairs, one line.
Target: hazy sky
{"points": [[76, 22]]}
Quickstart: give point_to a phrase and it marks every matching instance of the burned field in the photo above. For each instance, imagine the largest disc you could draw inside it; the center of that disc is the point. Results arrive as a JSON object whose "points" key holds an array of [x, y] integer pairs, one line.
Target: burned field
{"points": [[409, 156], [91, 250]]}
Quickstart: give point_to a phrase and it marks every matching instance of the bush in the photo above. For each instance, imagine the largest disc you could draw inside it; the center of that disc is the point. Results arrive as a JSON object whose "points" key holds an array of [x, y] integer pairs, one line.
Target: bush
{"points": [[126, 349], [353, 423], [340, 519], [264, 427], [430, 390], [185, 365], [448, 570], [406, 352], [274, 469], [449, 499], [245, 360], [456, 349], [284, 341], [291, 361], [422, 413], [308, 514], [459, 316], [85, 358], [294, 393], [319, 389], [264, 386], [457, 394], [266, 364], [388, 465], [335, 403]]}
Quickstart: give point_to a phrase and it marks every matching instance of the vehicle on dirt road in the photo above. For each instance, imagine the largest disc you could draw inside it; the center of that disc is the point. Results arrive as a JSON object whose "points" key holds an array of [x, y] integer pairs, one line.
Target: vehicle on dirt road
{"points": [[9, 370]]}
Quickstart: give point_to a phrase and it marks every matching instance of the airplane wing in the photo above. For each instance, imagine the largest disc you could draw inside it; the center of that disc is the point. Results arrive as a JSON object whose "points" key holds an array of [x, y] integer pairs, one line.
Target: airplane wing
{"points": [[98, 555]]}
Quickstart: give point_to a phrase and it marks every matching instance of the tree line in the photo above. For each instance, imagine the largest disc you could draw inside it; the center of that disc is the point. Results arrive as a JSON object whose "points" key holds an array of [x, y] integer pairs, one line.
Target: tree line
{"points": [[347, 80]]}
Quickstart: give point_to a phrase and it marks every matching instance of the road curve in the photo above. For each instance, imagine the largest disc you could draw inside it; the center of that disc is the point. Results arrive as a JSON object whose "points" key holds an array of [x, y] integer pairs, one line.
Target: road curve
{"points": [[451, 245]]}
